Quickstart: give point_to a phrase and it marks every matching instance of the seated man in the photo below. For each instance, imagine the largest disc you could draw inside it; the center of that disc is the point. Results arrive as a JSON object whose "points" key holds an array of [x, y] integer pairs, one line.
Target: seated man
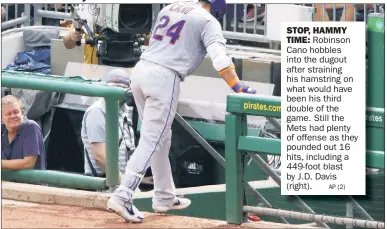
{"points": [[21, 139], [94, 131]]}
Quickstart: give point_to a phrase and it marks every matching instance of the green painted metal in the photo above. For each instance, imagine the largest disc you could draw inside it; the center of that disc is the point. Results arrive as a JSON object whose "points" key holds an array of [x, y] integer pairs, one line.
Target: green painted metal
{"points": [[240, 105], [375, 52], [265, 106], [269, 106], [112, 173], [375, 22], [78, 86], [210, 203], [260, 145], [375, 133], [375, 138], [56, 178], [374, 159], [211, 131], [375, 117], [71, 85], [235, 126]]}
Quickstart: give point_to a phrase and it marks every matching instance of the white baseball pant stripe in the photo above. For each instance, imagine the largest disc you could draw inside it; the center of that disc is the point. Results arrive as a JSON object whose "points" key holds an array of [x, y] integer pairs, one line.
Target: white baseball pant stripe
{"points": [[156, 91]]}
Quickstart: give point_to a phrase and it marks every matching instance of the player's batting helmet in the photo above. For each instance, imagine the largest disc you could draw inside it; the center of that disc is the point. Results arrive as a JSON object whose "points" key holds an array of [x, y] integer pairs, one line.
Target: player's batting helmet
{"points": [[218, 8]]}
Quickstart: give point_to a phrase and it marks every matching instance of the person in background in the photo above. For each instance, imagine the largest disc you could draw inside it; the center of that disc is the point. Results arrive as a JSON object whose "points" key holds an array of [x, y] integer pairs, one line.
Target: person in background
{"points": [[254, 12], [86, 11], [22, 144], [155, 84], [94, 132]]}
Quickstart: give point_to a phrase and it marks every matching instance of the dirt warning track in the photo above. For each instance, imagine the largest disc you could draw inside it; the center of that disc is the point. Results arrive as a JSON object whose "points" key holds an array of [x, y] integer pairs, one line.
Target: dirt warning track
{"points": [[35, 206], [17, 214]]}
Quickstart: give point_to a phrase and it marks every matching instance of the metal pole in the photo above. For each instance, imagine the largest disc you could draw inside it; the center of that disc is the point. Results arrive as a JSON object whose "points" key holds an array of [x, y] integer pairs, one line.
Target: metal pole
{"points": [[14, 22], [360, 208], [235, 126], [37, 17], [277, 179], [53, 14], [259, 196], [214, 153], [112, 172], [27, 14], [349, 213], [323, 8], [238, 62], [61, 85], [50, 177], [201, 140], [235, 19], [276, 124], [255, 18], [16, 30], [314, 217], [244, 16], [246, 36]]}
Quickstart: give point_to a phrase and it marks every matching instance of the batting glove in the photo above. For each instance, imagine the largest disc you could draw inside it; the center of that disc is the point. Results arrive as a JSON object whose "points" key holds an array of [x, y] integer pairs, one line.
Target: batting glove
{"points": [[240, 87]]}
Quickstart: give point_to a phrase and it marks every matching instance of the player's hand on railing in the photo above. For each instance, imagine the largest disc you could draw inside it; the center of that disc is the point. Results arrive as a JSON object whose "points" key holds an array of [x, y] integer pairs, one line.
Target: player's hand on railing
{"points": [[240, 87]]}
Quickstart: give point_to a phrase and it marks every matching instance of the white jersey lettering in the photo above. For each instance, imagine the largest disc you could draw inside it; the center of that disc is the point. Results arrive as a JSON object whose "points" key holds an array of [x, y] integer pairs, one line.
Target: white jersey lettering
{"points": [[180, 37]]}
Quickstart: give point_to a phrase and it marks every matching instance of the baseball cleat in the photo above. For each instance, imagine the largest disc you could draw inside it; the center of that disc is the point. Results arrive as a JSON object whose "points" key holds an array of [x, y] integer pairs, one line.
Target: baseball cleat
{"points": [[180, 204], [127, 211]]}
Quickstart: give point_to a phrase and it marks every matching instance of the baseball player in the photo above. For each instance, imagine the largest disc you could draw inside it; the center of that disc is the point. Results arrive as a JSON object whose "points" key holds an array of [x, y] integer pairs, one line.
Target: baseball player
{"points": [[183, 34]]}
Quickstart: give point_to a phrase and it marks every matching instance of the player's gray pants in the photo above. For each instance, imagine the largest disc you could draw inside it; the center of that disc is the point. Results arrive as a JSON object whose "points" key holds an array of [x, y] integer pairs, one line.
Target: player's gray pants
{"points": [[156, 92]]}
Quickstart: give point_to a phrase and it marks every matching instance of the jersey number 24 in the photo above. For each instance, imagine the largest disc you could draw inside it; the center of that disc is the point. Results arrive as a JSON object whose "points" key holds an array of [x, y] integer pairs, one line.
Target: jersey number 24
{"points": [[173, 31]]}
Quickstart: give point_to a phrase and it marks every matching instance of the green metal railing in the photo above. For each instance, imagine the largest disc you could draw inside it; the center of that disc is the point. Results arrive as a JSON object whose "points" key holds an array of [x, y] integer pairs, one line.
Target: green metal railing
{"points": [[78, 86], [238, 144]]}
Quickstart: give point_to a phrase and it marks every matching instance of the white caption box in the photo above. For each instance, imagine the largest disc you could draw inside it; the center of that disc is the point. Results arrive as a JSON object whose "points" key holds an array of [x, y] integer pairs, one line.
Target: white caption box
{"points": [[323, 108]]}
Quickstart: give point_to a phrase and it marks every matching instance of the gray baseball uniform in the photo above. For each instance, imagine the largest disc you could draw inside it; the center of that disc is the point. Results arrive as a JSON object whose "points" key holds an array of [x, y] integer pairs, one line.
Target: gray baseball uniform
{"points": [[182, 35], [180, 38]]}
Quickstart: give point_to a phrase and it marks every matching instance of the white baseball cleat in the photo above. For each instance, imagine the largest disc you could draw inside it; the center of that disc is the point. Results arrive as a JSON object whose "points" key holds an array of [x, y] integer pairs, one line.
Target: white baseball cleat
{"points": [[127, 211], [180, 204]]}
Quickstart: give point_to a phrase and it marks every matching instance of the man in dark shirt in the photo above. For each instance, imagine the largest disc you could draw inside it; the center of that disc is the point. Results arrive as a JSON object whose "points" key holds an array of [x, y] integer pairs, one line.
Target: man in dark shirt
{"points": [[21, 140]]}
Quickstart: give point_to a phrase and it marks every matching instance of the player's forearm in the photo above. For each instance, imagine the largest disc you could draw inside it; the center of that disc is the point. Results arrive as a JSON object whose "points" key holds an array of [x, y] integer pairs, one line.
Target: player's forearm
{"points": [[223, 63], [230, 77]]}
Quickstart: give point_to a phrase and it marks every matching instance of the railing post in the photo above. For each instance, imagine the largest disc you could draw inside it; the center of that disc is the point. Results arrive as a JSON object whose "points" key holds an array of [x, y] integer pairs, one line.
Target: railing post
{"points": [[235, 127], [238, 62], [37, 16], [111, 142], [27, 14]]}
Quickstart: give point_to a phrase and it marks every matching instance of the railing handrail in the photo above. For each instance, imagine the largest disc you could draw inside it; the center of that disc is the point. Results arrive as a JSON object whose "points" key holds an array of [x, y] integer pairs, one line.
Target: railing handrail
{"points": [[238, 142], [80, 86]]}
